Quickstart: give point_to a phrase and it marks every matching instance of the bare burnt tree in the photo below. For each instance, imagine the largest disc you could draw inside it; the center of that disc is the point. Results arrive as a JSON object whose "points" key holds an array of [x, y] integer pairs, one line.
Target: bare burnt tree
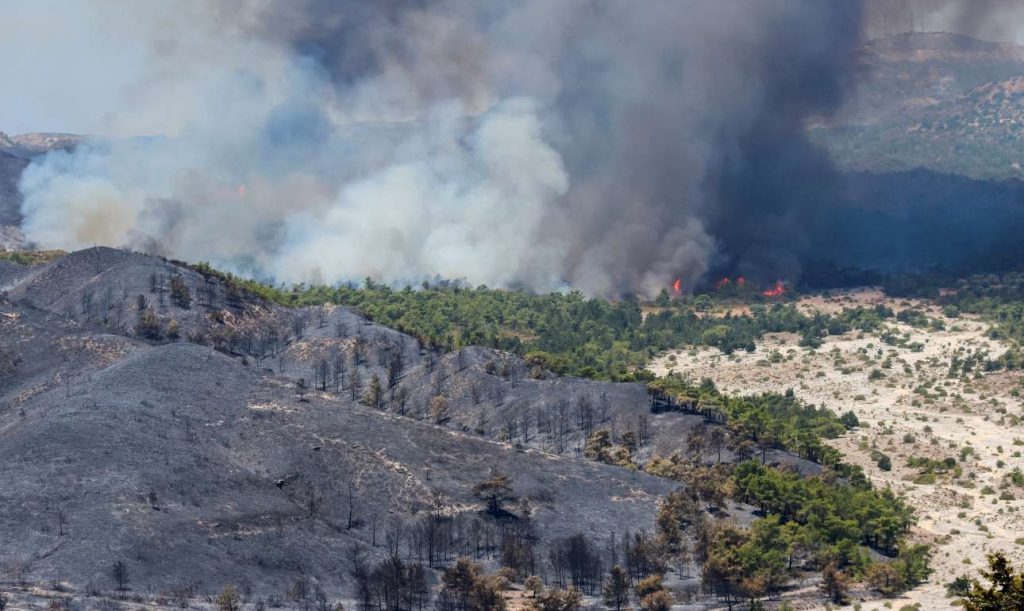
{"points": [[613, 550], [270, 337], [643, 555], [119, 573], [161, 290], [87, 305], [350, 503], [576, 561], [181, 295], [400, 399], [543, 420], [360, 573], [561, 424], [515, 373], [359, 349], [511, 427], [340, 329], [119, 314], [320, 374], [394, 531], [208, 291], [337, 370], [438, 381], [643, 428], [396, 365], [518, 542], [585, 414], [232, 293], [105, 304], [434, 539], [355, 385], [299, 322], [390, 585]]}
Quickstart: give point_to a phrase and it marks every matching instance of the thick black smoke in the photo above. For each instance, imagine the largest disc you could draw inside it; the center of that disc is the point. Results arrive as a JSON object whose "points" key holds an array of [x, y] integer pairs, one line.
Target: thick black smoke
{"points": [[605, 144]]}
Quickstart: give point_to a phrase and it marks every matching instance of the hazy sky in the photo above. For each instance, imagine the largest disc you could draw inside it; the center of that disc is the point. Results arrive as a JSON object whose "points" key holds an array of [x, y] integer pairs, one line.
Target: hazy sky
{"points": [[63, 65], [610, 145], [67, 65]]}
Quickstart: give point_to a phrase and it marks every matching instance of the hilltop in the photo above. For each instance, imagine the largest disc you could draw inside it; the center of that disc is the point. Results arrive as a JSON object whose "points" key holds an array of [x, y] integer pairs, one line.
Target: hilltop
{"points": [[32, 144]]}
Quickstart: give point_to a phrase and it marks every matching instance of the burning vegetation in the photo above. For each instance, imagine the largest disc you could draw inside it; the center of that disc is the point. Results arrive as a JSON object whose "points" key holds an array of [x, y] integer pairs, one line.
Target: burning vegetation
{"points": [[740, 287]]}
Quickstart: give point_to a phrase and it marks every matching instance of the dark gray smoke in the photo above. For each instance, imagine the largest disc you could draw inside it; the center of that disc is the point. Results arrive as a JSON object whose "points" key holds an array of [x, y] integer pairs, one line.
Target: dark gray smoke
{"points": [[609, 145]]}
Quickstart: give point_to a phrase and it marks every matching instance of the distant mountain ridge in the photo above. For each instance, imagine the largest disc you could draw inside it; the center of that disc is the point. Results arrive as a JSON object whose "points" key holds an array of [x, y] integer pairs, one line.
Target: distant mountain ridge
{"points": [[939, 46], [941, 102], [38, 143]]}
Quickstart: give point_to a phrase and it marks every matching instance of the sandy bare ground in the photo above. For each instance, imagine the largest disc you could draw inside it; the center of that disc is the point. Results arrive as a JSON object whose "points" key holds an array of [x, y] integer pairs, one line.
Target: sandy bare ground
{"points": [[909, 406]]}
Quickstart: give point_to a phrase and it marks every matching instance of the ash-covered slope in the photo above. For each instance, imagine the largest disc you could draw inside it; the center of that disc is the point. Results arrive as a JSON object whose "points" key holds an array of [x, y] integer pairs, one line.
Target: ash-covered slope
{"points": [[335, 350], [198, 467]]}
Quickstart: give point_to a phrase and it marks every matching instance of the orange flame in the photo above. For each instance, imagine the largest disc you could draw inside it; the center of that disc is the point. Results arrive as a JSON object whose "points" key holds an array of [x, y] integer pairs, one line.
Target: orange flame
{"points": [[677, 286], [741, 281], [778, 291], [723, 282]]}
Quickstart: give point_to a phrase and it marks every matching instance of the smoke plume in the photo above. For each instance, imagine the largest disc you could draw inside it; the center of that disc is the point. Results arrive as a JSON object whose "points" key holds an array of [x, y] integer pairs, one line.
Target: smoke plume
{"points": [[994, 20], [608, 145]]}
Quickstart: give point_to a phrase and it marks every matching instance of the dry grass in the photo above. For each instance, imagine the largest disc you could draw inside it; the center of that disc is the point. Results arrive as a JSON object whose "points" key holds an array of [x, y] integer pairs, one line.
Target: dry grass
{"points": [[903, 419]]}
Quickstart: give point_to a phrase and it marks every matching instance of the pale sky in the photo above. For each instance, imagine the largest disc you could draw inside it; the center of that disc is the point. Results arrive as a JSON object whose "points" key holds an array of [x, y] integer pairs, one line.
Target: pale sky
{"points": [[69, 65], [63, 65]]}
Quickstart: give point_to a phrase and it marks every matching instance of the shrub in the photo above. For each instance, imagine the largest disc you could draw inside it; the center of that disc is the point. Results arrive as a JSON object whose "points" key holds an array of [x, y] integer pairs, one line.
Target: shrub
{"points": [[180, 293], [228, 599]]}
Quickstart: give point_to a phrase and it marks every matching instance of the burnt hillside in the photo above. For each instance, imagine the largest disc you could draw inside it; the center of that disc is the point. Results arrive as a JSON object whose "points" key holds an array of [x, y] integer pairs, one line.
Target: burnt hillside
{"points": [[190, 450]]}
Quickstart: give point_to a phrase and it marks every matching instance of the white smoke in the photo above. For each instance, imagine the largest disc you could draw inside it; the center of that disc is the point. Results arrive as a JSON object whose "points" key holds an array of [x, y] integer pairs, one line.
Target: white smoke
{"points": [[512, 143], [456, 204]]}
